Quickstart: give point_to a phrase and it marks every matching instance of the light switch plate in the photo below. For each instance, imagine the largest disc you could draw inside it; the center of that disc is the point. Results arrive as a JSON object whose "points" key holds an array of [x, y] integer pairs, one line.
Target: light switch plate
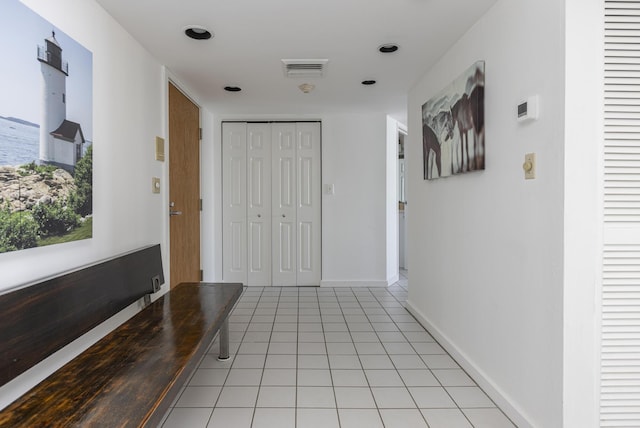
{"points": [[160, 149], [529, 166], [155, 185], [328, 189]]}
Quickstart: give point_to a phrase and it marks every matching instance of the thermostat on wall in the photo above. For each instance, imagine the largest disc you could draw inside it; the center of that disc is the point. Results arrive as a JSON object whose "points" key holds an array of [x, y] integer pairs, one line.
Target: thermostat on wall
{"points": [[528, 109]]}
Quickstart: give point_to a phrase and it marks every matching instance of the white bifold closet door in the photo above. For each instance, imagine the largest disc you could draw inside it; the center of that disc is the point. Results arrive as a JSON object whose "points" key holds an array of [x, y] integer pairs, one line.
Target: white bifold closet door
{"points": [[234, 200], [259, 204], [284, 204], [271, 188]]}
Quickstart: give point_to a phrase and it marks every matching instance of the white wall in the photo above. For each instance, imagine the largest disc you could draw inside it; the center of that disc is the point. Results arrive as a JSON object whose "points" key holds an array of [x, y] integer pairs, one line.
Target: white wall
{"points": [[486, 248], [354, 148], [129, 110]]}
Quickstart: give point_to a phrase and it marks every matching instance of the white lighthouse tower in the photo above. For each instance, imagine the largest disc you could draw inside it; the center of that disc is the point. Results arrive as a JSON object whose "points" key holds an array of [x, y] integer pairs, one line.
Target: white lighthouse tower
{"points": [[60, 140]]}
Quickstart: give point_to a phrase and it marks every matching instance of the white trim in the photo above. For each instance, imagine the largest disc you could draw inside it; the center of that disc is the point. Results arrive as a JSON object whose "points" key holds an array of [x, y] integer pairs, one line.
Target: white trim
{"points": [[353, 283], [583, 211], [476, 373], [392, 280]]}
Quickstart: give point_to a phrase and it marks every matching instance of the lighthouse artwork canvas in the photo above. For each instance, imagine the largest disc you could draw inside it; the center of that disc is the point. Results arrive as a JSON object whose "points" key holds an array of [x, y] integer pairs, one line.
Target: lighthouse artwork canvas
{"points": [[46, 133]]}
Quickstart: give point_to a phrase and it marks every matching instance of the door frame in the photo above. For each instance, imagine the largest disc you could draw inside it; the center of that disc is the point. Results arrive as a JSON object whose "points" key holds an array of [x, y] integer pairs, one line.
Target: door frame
{"points": [[402, 130]]}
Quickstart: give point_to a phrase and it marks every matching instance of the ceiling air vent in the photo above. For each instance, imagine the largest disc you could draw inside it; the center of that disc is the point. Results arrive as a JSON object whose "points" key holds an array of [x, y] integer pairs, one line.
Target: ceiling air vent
{"points": [[304, 67]]}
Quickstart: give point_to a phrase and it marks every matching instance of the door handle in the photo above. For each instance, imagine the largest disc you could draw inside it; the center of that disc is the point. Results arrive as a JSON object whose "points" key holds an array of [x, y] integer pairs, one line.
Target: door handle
{"points": [[172, 212]]}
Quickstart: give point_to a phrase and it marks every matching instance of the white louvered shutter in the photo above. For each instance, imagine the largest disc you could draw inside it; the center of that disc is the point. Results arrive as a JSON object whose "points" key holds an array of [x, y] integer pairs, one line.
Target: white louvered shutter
{"points": [[620, 367]]}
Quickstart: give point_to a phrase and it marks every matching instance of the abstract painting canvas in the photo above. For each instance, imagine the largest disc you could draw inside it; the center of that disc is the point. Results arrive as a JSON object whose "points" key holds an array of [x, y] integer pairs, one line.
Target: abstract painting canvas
{"points": [[453, 126], [46, 153]]}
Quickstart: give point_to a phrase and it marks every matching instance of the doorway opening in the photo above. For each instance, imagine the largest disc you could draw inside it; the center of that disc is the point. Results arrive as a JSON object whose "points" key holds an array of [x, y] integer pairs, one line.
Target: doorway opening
{"points": [[403, 263]]}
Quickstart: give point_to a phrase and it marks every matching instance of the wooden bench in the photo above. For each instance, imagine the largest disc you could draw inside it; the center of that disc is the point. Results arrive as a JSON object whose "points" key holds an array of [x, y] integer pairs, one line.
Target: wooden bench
{"points": [[128, 378]]}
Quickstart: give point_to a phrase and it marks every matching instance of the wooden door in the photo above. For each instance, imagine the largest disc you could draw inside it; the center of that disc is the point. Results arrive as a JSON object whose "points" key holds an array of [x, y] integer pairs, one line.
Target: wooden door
{"points": [[184, 188]]}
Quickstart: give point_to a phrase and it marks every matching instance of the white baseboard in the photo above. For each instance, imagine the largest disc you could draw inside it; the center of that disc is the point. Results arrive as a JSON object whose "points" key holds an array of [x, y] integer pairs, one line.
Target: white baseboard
{"points": [[476, 373], [353, 284], [393, 279]]}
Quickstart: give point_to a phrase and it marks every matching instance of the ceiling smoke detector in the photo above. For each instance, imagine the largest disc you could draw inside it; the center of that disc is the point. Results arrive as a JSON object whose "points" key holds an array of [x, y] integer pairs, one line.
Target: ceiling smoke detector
{"points": [[304, 67], [307, 87]]}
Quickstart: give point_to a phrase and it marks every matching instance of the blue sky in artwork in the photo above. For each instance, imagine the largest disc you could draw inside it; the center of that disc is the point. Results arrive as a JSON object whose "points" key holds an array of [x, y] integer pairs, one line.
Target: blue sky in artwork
{"points": [[21, 32]]}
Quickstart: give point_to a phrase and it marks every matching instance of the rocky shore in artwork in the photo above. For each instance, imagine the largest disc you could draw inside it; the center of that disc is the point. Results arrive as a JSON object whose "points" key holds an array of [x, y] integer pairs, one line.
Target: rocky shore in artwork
{"points": [[22, 189]]}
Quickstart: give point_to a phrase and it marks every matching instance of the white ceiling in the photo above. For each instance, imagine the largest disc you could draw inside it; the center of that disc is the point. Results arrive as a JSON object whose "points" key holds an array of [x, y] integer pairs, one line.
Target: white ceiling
{"points": [[251, 37]]}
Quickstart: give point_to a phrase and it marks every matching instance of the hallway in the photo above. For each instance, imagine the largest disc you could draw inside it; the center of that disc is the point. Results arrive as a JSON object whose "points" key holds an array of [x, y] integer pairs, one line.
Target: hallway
{"points": [[330, 357]]}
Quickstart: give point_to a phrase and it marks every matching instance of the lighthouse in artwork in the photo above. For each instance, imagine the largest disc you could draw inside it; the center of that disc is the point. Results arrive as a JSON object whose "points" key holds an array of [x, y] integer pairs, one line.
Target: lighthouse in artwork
{"points": [[61, 141]]}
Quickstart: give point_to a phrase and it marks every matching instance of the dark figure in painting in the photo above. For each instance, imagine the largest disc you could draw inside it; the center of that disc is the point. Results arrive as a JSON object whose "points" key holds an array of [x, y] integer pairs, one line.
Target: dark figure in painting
{"points": [[430, 143], [443, 122], [476, 100], [462, 115]]}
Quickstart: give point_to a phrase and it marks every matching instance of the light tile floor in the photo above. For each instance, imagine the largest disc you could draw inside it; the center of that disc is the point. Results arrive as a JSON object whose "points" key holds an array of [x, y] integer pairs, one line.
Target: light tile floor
{"points": [[330, 357]]}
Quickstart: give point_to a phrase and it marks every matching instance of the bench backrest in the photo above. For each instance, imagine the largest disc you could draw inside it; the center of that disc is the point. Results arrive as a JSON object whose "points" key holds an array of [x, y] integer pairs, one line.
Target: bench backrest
{"points": [[40, 319]]}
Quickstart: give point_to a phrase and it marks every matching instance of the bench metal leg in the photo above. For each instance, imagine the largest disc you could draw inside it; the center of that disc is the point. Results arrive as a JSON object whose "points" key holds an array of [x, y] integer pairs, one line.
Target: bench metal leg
{"points": [[224, 341]]}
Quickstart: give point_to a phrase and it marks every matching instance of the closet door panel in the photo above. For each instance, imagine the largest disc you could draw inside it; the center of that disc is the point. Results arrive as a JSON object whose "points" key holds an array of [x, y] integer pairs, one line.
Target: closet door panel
{"points": [[285, 249], [306, 251], [236, 252], [308, 210], [259, 203], [284, 173], [234, 210]]}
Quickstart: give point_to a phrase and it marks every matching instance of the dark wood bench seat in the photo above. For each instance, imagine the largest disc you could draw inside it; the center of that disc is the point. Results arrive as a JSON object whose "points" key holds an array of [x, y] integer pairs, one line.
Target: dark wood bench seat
{"points": [[131, 376]]}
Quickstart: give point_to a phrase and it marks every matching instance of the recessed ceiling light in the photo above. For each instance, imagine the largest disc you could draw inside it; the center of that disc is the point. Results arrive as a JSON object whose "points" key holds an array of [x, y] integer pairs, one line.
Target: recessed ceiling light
{"points": [[232, 88], [388, 48], [368, 82], [197, 32]]}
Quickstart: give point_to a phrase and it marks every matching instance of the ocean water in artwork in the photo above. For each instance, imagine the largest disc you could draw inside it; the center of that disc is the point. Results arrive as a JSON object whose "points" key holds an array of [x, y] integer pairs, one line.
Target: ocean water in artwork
{"points": [[18, 142]]}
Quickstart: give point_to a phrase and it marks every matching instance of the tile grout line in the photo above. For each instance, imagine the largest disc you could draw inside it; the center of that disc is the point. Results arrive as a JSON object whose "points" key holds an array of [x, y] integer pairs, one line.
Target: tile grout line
{"points": [[460, 409], [295, 422], [430, 371], [327, 302], [360, 360], [187, 384], [326, 348], [238, 350], [396, 368], [264, 363]]}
